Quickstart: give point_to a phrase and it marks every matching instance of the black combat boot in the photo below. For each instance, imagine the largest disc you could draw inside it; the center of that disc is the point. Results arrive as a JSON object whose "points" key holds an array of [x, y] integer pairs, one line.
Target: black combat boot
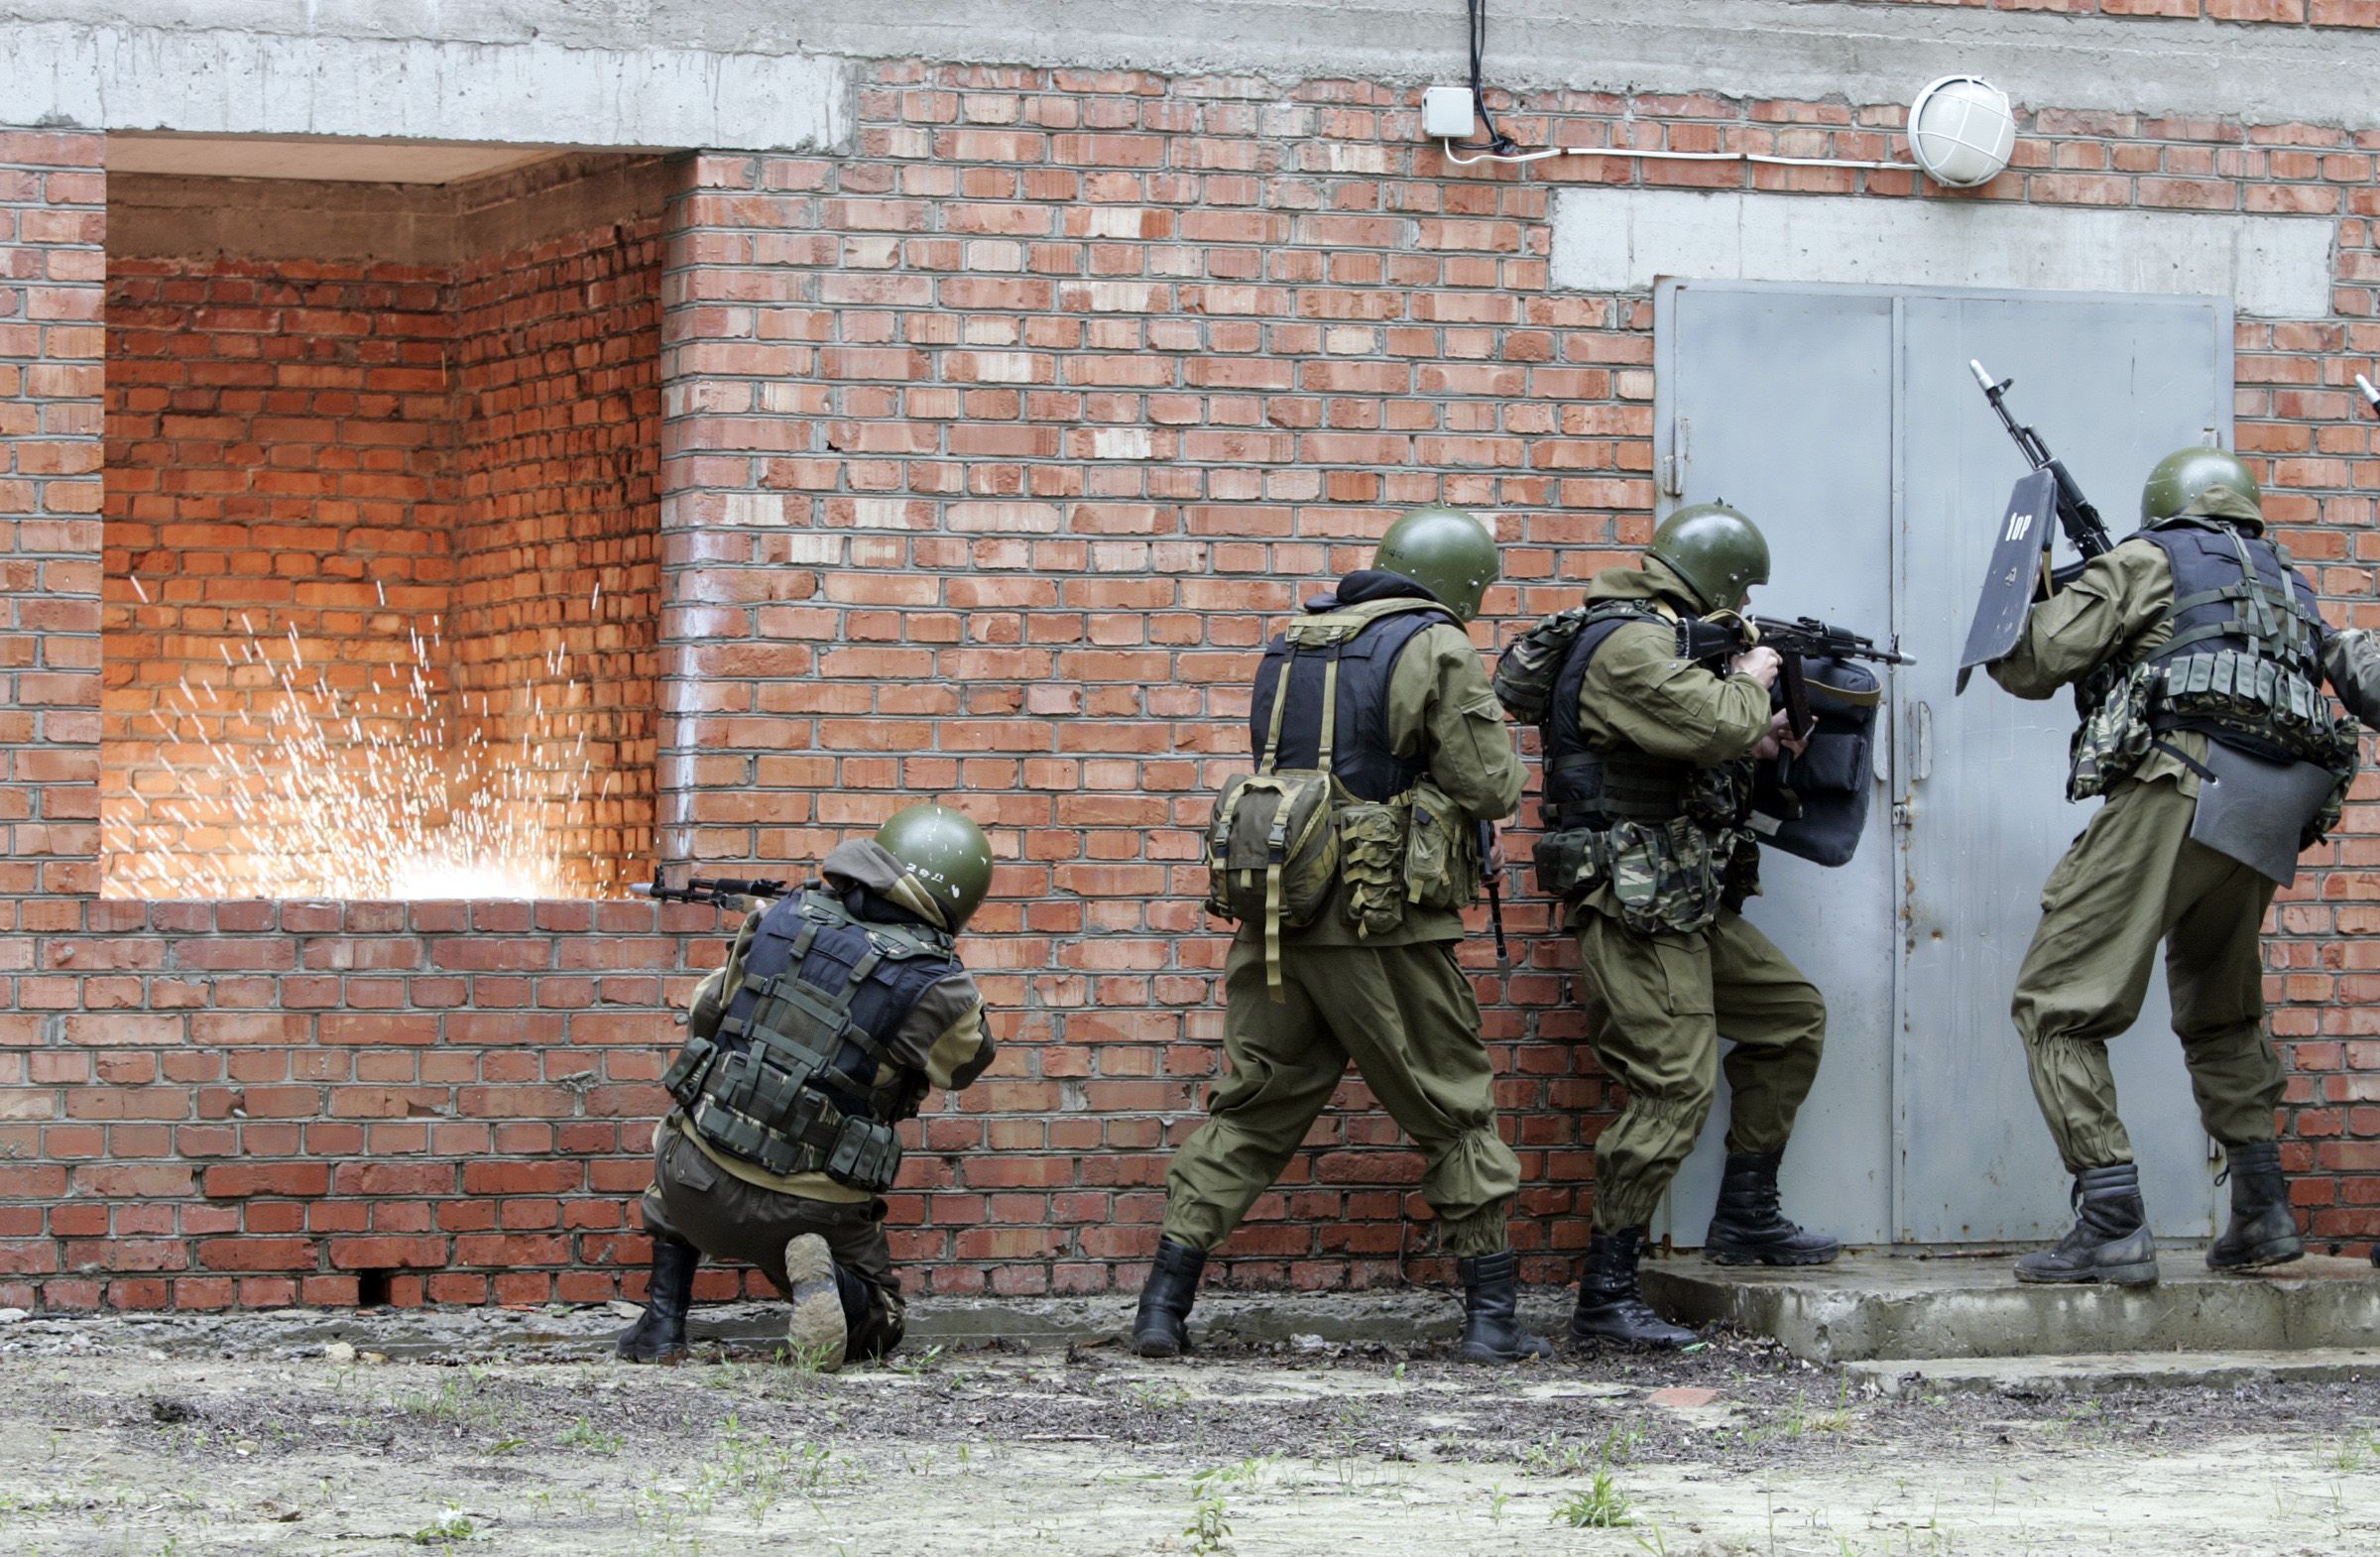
{"points": [[1749, 1229], [818, 1331], [1491, 1331], [659, 1336], [2263, 1230], [1161, 1326], [1609, 1306], [2109, 1241], [868, 1318]]}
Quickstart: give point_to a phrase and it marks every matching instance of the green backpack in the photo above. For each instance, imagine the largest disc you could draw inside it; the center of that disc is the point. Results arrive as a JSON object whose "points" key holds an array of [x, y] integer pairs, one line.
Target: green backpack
{"points": [[1272, 848], [1526, 671]]}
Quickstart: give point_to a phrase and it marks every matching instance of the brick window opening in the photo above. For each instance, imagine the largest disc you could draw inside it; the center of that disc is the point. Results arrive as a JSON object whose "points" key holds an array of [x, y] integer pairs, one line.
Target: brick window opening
{"points": [[382, 527]]}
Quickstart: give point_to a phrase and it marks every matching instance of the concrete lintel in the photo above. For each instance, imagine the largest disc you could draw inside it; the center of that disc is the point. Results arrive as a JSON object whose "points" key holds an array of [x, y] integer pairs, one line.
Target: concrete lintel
{"points": [[167, 217], [1622, 240], [220, 82], [1799, 49]]}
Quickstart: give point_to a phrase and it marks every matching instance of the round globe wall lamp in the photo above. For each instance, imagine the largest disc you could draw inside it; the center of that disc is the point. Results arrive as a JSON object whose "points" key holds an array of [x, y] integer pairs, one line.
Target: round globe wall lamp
{"points": [[1962, 131]]}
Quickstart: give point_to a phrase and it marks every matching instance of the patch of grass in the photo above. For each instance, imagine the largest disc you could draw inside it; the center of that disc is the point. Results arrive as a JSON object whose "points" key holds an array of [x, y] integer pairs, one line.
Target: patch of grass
{"points": [[1151, 1395], [453, 1525], [584, 1435], [917, 1363], [1601, 1505]]}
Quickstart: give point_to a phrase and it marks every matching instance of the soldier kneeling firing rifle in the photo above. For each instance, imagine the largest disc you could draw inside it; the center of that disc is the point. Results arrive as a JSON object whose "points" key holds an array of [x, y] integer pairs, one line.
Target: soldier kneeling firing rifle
{"points": [[842, 1004]]}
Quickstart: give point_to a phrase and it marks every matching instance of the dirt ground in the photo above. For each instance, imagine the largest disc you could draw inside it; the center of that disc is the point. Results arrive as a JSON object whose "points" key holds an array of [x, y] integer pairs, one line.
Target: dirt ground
{"points": [[121, 1438]]}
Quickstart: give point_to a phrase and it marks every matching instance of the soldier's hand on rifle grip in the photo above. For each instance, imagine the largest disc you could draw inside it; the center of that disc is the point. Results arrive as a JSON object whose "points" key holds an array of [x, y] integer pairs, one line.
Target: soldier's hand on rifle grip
{"points": [[1762, 664]]}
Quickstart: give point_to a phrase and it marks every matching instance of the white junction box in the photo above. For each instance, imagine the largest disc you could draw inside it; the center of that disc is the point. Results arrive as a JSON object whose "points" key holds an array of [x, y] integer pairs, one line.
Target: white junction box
{"points": [[1446, 112]]}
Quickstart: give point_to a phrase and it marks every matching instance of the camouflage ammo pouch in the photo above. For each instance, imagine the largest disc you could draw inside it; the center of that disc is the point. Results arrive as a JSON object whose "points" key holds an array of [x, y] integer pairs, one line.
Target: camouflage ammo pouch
{"points": [[2227, 693], [1372, 845], [1667, 877], [2115, 733], [1442, 851]]}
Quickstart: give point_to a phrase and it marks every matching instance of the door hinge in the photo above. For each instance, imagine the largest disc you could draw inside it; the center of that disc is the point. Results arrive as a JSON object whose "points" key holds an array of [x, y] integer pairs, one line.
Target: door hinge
{"points": [[1673, 463]]}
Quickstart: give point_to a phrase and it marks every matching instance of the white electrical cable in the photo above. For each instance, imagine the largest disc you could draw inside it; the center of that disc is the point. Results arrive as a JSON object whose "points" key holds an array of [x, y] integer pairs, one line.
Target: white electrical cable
{"points": [[1668, 157]]}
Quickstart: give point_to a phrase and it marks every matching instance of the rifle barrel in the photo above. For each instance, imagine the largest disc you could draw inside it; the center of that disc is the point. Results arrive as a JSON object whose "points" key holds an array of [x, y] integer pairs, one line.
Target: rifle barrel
{"points": [[1991, 385], [2371, 396]]}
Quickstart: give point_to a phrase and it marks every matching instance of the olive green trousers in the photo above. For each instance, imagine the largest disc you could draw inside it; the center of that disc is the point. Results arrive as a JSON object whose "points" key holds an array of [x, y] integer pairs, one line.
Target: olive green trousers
{"points": [[2133, 879], [1407, 1017], [695, 1201], [1657, 1007]]}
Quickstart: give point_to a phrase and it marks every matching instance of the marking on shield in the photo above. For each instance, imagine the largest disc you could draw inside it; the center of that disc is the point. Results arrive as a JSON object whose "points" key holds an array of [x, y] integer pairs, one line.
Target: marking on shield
{"points": [[2008, 581]]}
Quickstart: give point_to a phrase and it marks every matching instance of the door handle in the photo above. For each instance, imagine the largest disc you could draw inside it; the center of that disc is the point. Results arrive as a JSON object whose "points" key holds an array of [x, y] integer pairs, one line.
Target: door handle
{"points": [[1921, 742]]}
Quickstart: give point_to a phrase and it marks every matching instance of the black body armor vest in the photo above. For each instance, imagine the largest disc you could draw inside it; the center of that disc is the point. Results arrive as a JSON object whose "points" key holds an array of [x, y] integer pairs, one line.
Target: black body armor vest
{"points": [[799, 1076], [2244, 664], [1364, 664], [1584, 788]]}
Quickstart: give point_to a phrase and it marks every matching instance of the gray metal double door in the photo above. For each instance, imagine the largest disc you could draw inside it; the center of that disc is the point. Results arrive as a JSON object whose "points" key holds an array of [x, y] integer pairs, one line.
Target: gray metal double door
{"points": [[1844, 420]]}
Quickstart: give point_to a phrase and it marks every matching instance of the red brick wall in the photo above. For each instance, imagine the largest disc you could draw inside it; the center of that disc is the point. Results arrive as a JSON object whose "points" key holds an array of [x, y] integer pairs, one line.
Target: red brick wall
{"points": [[53, 224], [280, 460], [410, 469], [557, 540], [989, 451]]}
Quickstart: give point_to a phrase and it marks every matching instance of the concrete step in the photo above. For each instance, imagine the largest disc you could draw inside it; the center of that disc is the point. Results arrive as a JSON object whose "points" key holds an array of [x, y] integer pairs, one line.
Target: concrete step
{"points": [[1905, 1307], [2094, 1372]]}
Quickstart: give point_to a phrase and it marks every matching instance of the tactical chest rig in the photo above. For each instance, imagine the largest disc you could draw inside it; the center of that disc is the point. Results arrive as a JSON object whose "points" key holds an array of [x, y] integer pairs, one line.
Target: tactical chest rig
{"points": [[800, 1077], [2243, 667], [1666, 836]]}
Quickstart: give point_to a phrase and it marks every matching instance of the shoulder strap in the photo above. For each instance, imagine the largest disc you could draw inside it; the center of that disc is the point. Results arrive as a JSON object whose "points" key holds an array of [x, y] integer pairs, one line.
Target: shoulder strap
{"points": [[1329, 631]]}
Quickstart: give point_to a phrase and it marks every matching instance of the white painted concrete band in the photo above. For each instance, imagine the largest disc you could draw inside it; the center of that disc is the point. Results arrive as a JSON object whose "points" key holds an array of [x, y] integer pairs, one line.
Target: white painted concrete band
{"points": [[2264, 74], [533, 92], [1621, 240]]}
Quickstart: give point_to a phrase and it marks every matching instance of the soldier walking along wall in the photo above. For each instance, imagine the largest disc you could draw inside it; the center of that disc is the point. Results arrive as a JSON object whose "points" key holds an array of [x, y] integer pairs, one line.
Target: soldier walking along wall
{"points": [[988, 445]]}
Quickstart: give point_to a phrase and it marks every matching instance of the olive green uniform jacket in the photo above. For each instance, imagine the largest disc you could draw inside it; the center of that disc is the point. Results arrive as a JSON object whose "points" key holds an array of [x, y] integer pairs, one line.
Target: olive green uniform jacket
{"points": [[2132, 881], [734, 1210], [1658, 1004], [1396, 1005]]}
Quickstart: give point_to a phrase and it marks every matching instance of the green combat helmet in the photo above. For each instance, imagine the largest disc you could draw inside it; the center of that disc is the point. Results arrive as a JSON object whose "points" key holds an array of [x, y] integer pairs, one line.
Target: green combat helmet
{"points": [[2188, 474], [948, 855], [1445, 552], [1719, 553]]}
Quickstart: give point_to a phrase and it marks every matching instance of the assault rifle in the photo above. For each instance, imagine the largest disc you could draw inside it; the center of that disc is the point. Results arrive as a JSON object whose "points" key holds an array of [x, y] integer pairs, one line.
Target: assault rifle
{"points": [[2075, 516], [1711, 638], [720, 891]]}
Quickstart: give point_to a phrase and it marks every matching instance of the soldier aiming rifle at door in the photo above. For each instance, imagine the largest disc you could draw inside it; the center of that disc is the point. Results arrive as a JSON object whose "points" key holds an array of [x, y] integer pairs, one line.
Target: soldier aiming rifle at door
{"points": [[1665, 741], [2199, 661]]}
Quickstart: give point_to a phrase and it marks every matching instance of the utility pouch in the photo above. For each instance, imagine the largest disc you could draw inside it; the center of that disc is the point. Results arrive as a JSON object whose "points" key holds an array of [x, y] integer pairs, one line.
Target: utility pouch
{"points": [[683, 1079], [1442, 851], [1566, 861], [866, 1156], [2114, 735], [1371, 848], [1668, 877]]}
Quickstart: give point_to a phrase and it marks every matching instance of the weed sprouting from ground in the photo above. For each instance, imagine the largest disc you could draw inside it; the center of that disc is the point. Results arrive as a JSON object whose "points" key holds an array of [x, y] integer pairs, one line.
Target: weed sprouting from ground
{"points": [[1601, 1505]]}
